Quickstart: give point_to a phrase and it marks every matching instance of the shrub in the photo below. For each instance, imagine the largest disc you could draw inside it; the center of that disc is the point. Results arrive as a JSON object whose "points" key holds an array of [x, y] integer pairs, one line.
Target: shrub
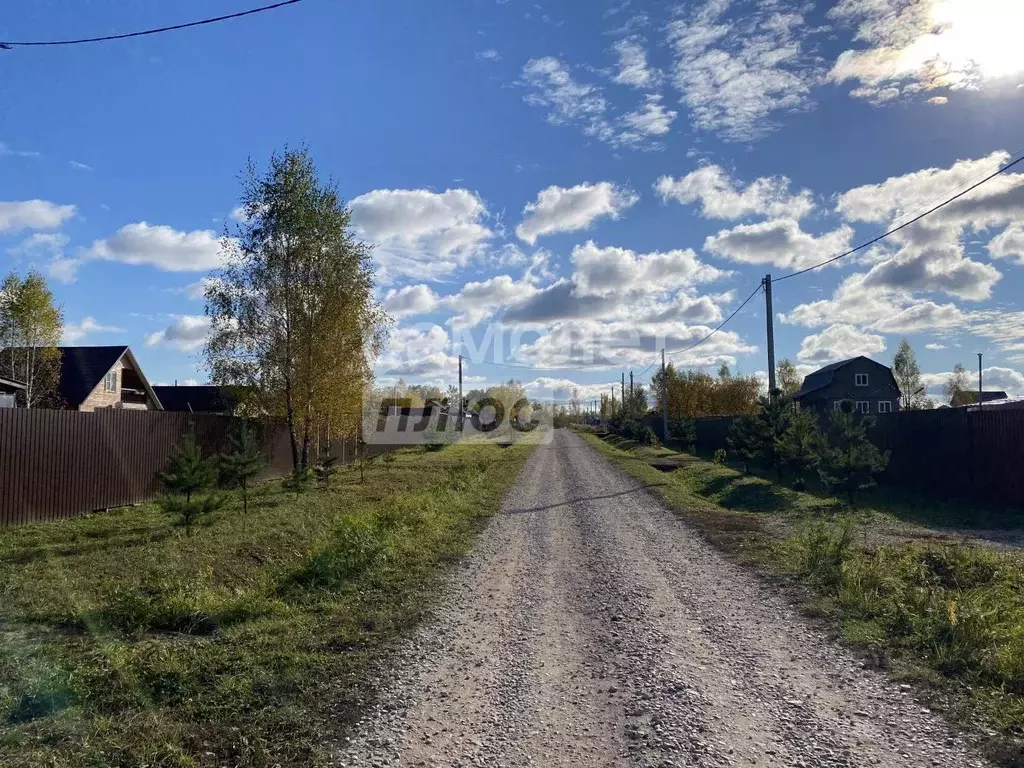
{"points": [[684, 430], [720, 456], [297, 481], [325, 469]]}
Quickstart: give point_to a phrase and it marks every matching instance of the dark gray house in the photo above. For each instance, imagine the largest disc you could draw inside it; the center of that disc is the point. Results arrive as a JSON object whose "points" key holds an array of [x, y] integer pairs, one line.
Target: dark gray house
{"points": [[859, 384]]}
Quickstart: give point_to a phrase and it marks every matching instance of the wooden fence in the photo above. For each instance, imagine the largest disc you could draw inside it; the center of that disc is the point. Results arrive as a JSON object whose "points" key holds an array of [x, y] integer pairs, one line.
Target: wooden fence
{"points": [[953, 452], [61, 464]]}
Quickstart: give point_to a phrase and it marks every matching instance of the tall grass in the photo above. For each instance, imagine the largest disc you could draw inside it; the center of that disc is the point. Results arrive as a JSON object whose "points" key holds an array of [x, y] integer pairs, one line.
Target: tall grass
{"points": [[125, 643]]}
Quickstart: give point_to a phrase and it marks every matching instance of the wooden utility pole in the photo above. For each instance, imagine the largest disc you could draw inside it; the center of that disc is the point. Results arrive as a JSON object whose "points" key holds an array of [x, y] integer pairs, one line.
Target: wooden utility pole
{"points": [[664, 397], [461, 414], [623, 392], [631, 388], [771, 335], [981, 397]]}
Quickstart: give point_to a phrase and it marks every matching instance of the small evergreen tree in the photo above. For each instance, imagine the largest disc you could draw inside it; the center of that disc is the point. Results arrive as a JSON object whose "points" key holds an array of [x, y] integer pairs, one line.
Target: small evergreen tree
{"points": [[684, 430], [297, 481], [851, 461], [801, 446], [187, 476], [745, 438], [773, 416], [325, 469], [243, 464]]}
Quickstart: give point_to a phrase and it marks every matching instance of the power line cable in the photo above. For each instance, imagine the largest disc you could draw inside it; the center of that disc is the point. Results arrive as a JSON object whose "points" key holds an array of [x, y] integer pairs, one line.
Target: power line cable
{"points": [[720, 327], [905, 224], [9, 44]]}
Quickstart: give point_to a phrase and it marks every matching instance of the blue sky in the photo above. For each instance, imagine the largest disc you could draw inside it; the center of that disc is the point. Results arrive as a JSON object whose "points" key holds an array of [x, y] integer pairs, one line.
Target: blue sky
{"points": [[590, 180]]}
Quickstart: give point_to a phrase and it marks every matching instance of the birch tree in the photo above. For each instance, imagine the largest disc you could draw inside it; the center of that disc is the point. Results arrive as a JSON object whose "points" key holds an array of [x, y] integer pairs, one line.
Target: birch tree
{"points": [[31, 326], [292, 312]]}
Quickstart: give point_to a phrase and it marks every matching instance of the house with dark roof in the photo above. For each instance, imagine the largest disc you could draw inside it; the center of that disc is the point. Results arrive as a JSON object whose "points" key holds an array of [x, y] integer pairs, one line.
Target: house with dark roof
{"points": [[970, 397], [207, 398], [859, 384], [11, 393], [95, 378]]}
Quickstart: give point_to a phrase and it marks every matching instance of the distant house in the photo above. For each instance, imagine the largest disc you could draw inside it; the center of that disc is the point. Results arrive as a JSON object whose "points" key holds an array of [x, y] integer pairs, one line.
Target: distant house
{"points": [[970, 397], [11, 393], [858, 384], [95, 378], [208, 398]]}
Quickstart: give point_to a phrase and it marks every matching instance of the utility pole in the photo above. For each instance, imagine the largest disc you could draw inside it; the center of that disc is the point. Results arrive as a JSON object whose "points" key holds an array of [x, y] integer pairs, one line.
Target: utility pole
{"points": [[631, 387], [611, 406], [461, 414], [980, 390], [623, 392], [664, 397], [771, 335]]}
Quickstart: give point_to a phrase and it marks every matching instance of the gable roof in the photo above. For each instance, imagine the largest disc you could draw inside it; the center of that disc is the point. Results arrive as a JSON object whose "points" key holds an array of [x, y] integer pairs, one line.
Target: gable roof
{"points": [[204, 398], [970, 397], [82, 368], [822, 377]]}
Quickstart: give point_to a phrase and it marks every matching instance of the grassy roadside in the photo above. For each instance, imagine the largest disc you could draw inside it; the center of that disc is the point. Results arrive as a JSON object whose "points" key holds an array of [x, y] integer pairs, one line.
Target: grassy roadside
{"points": [[124, 642], [928, 605]]}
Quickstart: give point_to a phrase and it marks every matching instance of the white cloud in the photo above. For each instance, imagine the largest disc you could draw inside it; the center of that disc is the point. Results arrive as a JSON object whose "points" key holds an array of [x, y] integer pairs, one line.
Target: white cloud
{"points": [[651, 119], [410, 300], [197, 290], [75, 332], [159, 246], [479, 300], [919, 47], [77, 166], [633, 69], [931, 255], [561, 209], [721, 197], [1007, 380], [934, 346], [186, 333], [561, 389], [779, 242], [1008, 244], [604, 272], [735, 74], [839, 342], [420, 233], [40, 245], [488, 55], [570, 102], [423, 350], [6, 150], [33, 214]]}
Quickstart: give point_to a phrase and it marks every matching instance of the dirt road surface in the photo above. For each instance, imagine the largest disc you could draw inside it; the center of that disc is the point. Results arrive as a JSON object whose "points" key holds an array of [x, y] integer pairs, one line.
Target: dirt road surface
{"points": [[591, 627]]}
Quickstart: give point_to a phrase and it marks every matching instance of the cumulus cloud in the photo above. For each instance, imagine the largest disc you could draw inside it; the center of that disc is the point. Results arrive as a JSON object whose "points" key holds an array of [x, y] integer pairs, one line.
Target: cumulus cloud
{"points": [[560, 209], [911, 48], [76, 332], [423, 350], [935, 346], [1007, 380], [735, 74], [838, 342], [185, 334], [159, 246], [410, 300], [1008, 244], [33, 214], [780, 242], [197, 290], [603, 272], [930, 254], [561, 389], [651, 119], [722, 198], [40, 245], [420, 233], [633, 69]]}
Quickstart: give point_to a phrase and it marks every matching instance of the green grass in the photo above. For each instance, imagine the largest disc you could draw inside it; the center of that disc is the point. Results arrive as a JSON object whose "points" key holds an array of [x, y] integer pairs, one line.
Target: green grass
{"points": [[124, 642], [950, 615]]}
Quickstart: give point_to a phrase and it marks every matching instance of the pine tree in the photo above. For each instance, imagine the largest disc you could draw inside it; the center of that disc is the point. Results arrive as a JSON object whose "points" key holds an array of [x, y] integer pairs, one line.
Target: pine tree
{"points": [[852, 460], [186, 478], [745, 438], [325, 469], [801, 446], [243, 464], [297, 481]]}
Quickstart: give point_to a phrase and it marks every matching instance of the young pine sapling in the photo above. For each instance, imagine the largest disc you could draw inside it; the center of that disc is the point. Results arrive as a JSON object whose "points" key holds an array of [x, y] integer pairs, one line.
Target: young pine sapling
{"points": [[325, 469], [244, 464], [189, 479], [851, 461]]}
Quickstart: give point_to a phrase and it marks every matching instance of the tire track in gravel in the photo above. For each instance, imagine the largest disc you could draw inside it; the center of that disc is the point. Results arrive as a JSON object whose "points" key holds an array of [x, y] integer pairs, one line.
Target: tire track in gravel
{"points": [[591, 627]]}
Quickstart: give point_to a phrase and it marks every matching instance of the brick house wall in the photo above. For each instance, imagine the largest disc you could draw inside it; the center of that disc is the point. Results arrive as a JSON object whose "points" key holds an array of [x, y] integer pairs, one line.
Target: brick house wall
{"points": [[99, 398]]}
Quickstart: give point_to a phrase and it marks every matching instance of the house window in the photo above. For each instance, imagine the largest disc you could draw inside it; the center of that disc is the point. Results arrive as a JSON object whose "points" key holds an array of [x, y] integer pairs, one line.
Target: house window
{"points": [[7, 401], [860, 379], [885, 406], [110, 382], [863, 406]]}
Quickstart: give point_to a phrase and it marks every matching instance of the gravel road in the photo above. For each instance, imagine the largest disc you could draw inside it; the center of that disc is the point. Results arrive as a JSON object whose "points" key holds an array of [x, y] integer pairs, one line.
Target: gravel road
{"points": [[591, 627]]}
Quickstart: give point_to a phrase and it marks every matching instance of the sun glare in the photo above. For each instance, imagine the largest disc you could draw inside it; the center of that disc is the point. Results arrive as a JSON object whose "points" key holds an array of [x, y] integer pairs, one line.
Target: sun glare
{"points": [[981, 34]]}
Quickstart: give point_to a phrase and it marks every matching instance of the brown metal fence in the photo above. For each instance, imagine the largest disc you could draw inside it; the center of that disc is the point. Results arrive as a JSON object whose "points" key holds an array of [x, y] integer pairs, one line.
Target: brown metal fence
{"points": [[61, 464], [953, 452]]}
